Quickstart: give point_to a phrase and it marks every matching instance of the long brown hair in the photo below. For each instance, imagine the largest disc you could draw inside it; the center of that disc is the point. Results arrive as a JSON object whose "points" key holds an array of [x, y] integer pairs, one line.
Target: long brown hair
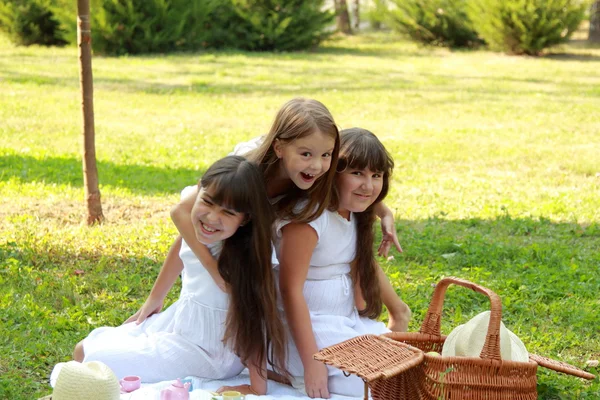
{"points": [[253, 326], [296, 119], [360, 149]]}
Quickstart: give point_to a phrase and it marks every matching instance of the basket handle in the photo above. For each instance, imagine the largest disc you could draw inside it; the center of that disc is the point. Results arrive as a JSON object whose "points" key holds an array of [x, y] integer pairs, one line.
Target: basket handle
{"points": [[432, 323]]}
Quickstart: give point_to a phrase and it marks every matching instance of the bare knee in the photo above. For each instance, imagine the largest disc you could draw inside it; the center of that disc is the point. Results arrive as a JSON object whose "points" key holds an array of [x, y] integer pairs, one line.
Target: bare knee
{"points": [[78, 353]]}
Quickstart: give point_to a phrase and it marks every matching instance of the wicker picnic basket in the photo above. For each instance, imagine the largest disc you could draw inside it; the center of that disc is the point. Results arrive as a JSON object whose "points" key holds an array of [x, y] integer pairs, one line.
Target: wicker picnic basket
{"points": [[396, 366]]}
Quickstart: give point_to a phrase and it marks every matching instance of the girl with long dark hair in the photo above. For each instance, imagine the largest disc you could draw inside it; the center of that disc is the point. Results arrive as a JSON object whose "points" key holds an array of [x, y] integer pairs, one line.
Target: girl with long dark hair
{"points": [[208, 333]]}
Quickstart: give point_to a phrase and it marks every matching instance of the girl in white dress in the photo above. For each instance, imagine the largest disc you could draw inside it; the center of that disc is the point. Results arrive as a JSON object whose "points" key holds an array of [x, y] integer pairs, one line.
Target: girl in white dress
{"points": [[323, 263], [295, 158], [207, 333]]}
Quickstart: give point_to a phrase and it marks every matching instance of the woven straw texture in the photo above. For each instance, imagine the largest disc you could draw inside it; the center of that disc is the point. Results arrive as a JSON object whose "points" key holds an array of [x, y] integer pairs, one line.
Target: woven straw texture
{"points": [[90, 381], [400, 376]]}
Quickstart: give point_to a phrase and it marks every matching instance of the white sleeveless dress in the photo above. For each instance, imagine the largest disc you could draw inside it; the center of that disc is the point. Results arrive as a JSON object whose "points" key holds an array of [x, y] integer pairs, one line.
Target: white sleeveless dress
{"points": [[329, 294], [183, 340]]}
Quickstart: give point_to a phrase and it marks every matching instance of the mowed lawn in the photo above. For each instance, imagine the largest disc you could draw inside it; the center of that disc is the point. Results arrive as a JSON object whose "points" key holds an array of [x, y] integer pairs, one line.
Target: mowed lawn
{"points": [[497, 180]]}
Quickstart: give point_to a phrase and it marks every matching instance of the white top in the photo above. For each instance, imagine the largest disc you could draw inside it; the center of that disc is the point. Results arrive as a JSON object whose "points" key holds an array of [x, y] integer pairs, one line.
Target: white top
{"points": [[241, 149], [185, 339], [336, 245]]}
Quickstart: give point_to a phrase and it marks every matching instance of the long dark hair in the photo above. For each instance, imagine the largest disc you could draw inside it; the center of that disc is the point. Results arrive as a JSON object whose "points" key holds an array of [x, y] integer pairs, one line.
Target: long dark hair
{"points": [[253, 326], [296, 119], [360, 149]]}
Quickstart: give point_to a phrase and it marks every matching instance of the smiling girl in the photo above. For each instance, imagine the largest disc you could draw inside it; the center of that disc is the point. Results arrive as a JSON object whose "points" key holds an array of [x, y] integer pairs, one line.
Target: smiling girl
{"points": [[207, 333], [322, 263], [298, 159]]}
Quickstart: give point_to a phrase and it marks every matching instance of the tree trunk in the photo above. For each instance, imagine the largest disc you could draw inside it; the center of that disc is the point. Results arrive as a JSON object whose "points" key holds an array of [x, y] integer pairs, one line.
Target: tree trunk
{"points": [[343, 17], [90, 172], [594, 35], [356, 12]]}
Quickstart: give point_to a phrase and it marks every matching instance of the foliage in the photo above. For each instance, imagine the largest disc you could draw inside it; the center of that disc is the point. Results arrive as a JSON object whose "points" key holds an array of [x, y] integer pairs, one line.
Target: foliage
{"points": [[526, 26], [28, 22], [151, 26], [496, 181], [376, 13], [432, 22], [280, 25]]}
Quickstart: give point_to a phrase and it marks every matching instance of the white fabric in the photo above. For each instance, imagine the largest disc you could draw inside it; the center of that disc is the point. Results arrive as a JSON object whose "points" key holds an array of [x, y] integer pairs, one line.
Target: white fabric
{"points": [[241, 149], [329, 294], [183, 340], [202, 388]]}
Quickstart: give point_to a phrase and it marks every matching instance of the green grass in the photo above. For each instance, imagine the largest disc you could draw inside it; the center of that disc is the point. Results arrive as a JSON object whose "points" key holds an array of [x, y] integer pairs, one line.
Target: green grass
{"points": [[496, 181]]}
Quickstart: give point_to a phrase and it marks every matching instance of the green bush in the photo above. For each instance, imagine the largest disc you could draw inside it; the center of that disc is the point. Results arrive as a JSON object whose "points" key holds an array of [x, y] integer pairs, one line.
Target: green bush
{"points": [[433, 22], [28, 22], [279, 24], [151, 26], [526, 26], [376, 13]]}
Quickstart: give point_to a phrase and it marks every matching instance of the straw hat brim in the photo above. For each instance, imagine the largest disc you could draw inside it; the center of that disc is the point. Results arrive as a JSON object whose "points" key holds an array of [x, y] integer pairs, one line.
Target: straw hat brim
{"points": [[91, 381]]}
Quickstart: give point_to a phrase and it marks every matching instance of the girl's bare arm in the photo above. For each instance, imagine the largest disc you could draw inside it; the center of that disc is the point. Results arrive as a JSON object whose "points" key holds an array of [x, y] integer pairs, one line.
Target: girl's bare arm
{"points": [[181, 214], [297, 245]]}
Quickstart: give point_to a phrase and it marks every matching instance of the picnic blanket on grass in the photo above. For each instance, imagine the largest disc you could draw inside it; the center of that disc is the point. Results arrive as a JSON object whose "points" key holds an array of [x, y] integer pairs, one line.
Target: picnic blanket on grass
{"points": [[203, 387]]}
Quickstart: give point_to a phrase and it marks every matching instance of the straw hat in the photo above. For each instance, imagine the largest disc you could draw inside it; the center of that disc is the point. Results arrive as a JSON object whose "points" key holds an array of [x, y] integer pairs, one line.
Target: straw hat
{"points": [[467, 340], [91, 381]]}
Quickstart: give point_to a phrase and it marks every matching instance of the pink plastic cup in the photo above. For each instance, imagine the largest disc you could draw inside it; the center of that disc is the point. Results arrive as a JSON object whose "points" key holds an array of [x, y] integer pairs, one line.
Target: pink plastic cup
{"points": [[130, 383]]}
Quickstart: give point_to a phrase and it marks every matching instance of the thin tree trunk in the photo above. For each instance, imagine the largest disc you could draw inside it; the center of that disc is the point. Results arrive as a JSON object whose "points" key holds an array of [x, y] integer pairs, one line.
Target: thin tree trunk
{"points": [[594, 35], [356, 12], [343, 17], [90, 172]]}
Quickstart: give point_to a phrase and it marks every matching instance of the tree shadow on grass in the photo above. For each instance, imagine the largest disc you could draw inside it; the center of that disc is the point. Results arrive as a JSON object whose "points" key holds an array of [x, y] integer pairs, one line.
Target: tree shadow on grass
{"points": [[572, 57], [139, 179]]}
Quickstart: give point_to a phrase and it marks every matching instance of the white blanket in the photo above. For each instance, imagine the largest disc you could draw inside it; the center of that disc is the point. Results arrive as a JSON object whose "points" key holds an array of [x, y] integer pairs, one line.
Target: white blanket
{"points": [[203, 387]]}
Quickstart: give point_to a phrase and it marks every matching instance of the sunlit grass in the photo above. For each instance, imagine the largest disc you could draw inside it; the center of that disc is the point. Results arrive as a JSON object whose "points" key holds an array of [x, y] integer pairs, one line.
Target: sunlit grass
{"points": [[497, 180]]}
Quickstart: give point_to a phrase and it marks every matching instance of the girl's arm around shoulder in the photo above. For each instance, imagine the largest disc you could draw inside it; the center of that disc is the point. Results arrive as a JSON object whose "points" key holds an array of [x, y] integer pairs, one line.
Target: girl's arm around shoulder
{"points": [[181, 214]]}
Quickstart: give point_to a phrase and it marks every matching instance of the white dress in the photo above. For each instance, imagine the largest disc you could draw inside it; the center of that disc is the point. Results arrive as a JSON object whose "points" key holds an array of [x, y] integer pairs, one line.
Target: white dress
{"points": [[329, 294], [184, 340]]}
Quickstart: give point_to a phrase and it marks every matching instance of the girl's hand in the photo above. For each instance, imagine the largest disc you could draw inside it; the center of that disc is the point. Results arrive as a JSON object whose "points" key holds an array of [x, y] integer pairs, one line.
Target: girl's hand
{"points": [[243, 389], [151, 306], [389, 236], [315, 380]]}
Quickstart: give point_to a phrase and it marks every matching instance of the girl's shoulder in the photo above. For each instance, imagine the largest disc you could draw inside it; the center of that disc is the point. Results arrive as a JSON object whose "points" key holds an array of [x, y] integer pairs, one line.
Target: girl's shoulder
{"points": [[319, 224], [189, 191], [245, 147]]}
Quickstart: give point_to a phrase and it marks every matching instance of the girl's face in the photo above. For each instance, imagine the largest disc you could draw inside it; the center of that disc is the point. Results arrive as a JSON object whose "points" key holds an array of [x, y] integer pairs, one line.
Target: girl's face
{"points": [[306, 159], [358, 189], [212, 222]]}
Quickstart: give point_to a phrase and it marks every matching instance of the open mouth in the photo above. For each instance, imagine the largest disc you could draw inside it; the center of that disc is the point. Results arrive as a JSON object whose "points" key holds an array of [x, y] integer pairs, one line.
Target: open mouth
{"points": [[307, 177], [206, 229]]}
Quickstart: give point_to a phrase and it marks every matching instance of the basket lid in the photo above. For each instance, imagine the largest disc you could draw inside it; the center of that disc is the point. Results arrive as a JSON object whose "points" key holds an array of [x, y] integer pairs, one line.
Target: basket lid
{"points": [[371, 357], [560, 366]]}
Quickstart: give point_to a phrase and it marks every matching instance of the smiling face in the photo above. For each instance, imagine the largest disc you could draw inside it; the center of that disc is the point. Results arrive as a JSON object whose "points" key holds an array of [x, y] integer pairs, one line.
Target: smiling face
{"points": [[213, 223], [358, 189], [306, 159]]}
